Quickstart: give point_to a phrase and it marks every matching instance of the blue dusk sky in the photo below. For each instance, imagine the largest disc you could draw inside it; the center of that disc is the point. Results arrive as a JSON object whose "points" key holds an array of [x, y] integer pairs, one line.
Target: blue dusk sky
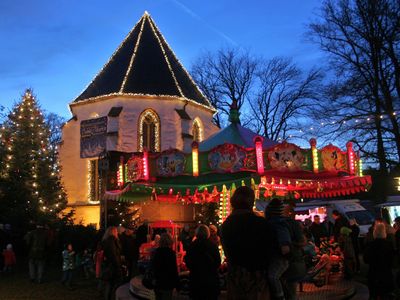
{"points": [[56, 47]]}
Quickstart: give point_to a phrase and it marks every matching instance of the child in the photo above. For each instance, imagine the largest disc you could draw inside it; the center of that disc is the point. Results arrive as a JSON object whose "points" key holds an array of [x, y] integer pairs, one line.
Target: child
{"points": [[68, 265], [87, 263], [9, 258]]}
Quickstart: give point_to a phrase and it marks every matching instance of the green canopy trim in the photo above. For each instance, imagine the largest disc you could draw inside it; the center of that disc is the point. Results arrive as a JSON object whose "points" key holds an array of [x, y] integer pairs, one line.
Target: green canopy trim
{"points": [[135, 197], [189, 184]]}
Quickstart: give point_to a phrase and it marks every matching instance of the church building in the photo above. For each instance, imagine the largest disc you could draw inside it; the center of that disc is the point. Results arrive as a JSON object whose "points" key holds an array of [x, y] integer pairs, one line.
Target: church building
{"points": [[143, 98]]}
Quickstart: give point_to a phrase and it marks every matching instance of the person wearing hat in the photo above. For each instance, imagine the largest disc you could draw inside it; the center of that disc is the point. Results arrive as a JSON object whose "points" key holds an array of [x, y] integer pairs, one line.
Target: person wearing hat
{"points": [[245, 240], [346, 246], [279, 255]]}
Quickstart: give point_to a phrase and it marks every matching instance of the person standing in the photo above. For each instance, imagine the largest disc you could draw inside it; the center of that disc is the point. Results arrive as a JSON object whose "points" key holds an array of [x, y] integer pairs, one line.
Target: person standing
{"points": [[9, 258], [297, 267], [279, 261], [68, 265], [37, 245], [185, 238], [112, 269], [379, 256], [214, 237], [141, 233], [203, 260], [129, 250], [165, 269], [347, 248], [318, 230], [355, 232], [340, 222], [245, 240]]}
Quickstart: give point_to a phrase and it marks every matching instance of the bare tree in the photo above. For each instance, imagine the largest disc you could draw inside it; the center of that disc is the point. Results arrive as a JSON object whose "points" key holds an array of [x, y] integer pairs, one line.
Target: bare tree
{"points": [[224, 77], [282, 96], [361, 38]]}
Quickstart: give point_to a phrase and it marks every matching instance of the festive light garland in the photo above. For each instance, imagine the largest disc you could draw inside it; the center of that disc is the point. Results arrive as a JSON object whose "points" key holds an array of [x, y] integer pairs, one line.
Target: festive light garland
{"points": [[25, 114], [179, 62], [195, 159], [314, 152], [166, 58], [350, 157], [197, 130], [259, 154], [133, 57], [159, 37], [146, 174], [223, 204], [153, 115]]}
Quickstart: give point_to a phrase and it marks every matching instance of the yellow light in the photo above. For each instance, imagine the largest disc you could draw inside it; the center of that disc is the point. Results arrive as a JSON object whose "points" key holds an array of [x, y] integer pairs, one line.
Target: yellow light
{"points": [[360, 168], [315, 160], [195, 158], [314, 153]]}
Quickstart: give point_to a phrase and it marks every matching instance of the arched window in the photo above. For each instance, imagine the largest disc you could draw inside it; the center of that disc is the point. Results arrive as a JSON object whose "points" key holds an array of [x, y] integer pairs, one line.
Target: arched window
{"points": [[197, 130], [149, 131]]}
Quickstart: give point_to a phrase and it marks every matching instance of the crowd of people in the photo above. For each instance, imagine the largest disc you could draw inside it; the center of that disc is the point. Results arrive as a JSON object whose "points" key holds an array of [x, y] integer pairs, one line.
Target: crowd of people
{"points": [[261, 256]]}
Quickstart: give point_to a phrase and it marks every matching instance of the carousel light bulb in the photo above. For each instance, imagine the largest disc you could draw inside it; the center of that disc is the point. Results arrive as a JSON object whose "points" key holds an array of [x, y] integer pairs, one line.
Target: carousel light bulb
{"points": [[259, 155], [195, 158]]}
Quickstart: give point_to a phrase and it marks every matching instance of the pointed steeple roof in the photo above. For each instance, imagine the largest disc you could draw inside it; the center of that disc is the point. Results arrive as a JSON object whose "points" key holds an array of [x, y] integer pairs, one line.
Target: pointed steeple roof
{"points": [[144, 64]]}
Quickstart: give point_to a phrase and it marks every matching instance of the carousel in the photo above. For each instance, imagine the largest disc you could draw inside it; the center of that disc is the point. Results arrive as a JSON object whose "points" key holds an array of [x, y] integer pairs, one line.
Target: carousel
{"points": [[233, 157]]}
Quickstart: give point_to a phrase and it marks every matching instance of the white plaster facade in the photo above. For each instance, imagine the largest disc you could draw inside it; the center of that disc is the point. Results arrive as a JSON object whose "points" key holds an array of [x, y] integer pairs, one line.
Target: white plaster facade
{"points": [[75, 169]]}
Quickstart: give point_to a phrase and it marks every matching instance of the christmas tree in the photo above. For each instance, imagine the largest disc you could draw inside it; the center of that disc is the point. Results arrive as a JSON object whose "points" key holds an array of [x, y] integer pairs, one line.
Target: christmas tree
{"points": [[31, 189]]}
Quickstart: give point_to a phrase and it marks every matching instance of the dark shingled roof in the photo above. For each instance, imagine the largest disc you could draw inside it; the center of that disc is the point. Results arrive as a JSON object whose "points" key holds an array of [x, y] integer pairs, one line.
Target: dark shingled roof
{"points": [[144, 64]]}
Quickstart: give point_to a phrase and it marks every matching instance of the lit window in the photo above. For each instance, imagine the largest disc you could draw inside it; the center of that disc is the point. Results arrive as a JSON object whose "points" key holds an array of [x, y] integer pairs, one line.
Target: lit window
{"points": [[94, 115], [197, 131], [149, 131]]}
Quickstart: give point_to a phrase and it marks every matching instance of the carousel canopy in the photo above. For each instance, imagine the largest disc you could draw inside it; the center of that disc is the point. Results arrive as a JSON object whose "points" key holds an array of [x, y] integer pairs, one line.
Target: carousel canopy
{"points": [[144, 64], [234, 134], [237, 156]]}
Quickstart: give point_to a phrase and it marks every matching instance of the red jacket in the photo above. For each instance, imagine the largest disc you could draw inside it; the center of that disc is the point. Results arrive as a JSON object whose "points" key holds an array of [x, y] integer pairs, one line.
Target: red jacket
{"points": [[9, 257]]}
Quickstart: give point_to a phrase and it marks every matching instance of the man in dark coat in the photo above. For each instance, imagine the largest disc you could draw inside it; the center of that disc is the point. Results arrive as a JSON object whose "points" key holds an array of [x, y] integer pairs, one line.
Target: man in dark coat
{"points": [[379, 255], [37, 241], [245, 240], [141, 233], [112, 271], [203, 260], [129, 250], [318, 230], [340, 222], [165, 269]]}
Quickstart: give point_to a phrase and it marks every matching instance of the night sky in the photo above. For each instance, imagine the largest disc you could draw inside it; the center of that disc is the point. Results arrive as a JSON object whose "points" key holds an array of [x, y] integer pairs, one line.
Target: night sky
{"points": [[56, 47]]}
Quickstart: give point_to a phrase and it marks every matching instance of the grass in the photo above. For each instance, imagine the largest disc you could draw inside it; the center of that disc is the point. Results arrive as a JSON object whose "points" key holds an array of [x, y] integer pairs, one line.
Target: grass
{"points": [[18, 286]]}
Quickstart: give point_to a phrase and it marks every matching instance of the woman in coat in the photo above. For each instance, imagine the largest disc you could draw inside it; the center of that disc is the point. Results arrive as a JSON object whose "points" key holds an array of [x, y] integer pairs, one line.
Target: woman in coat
{"points": [[379, 255], [203, 260], [165, 269]]}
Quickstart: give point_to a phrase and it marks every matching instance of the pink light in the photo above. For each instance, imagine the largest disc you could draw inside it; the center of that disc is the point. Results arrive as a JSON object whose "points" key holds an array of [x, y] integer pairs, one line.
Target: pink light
{"points": [[350, 157], [146, 165], [259, 154]]}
